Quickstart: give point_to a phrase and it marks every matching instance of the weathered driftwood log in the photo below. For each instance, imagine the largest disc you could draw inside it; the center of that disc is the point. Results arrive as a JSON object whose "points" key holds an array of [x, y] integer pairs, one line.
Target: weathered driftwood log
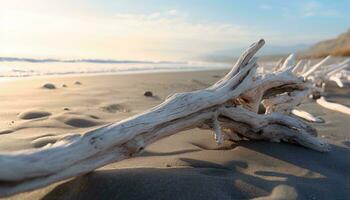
{"points": [[328, 72], [229, 107], [317, 76]]}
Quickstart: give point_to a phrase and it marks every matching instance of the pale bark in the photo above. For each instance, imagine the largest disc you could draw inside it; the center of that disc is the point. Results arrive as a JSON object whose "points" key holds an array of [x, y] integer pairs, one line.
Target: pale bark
{"points": [[307, 116], [337, 80], [298, 67], [289, 62], [333, 106], [337, 68], [315, 67]]}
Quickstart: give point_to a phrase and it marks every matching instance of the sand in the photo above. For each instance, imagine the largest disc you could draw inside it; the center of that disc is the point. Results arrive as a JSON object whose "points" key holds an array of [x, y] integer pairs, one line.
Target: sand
{"points": [[188, 165]]}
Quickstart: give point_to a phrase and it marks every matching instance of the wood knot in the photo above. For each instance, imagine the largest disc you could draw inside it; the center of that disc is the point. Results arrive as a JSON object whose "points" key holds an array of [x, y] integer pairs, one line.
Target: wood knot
{"points": [[136, 145]]}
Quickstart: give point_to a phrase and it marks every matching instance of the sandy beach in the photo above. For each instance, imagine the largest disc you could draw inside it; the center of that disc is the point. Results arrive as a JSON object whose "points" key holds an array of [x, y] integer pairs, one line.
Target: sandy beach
{"points": [[174, 100], [187, 165]]}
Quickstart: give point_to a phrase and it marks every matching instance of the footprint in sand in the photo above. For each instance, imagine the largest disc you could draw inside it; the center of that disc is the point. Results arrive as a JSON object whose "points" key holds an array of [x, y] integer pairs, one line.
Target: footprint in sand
{"points": [[79, 120], [113, 108], [33, 114], [44, 140]]}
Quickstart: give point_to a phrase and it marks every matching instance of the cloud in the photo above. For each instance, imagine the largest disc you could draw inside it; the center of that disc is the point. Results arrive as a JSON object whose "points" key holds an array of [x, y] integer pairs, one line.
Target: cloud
{"points": [[72, 29], [80, 33], [313, 9], [311, 5], [265, 7], [172, 32], [167, 14]]}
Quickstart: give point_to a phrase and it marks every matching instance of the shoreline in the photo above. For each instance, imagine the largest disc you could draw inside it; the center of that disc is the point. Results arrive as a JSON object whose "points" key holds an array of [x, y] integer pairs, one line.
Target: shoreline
{"points": [[135, 72]]}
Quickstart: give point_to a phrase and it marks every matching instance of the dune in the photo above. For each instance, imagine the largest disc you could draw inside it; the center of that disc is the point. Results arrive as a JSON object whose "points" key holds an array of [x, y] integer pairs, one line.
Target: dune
{"points": [[339, 46], [188, 165]]}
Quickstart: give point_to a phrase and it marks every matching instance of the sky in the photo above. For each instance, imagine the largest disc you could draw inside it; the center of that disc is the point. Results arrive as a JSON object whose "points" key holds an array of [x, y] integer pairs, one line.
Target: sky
{"points": [[161, 30]]}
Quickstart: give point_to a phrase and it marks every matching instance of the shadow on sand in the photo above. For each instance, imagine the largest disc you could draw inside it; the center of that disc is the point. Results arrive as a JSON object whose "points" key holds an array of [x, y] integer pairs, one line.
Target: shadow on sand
{"points": [[208, 180]]}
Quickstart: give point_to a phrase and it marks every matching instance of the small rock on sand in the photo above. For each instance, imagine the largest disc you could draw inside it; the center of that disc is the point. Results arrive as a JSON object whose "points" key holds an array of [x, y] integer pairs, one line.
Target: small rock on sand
{"points": [[64, 85], [315, 95], [49, 86], [77, 83], [33, 114], [148, 94]]}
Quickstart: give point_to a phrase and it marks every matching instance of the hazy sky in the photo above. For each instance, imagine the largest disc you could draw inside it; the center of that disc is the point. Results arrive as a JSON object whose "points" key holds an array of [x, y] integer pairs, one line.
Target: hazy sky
{"points": [[159, 29]]}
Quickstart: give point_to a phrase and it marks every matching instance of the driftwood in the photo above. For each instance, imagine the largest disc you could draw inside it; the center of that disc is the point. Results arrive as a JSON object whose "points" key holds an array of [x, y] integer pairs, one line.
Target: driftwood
{"points": [[333, 106], [229, 107], [330, 72], [316, 75], [307, 116]]}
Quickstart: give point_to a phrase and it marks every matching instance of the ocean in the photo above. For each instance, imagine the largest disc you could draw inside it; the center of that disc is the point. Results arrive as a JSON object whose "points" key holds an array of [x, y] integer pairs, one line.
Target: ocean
{"points": [[20, 67]]}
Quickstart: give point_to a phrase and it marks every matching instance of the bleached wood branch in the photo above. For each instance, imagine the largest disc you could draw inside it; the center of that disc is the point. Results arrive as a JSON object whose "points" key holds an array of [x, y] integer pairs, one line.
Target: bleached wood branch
{"points": [[315, 67], [286, 102], [229, 107], [279, 64], [333, 106], [337, 67], [306, 66], [319, 76], [289, 62], [337, 80], [307, 116], [298, 66]]}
